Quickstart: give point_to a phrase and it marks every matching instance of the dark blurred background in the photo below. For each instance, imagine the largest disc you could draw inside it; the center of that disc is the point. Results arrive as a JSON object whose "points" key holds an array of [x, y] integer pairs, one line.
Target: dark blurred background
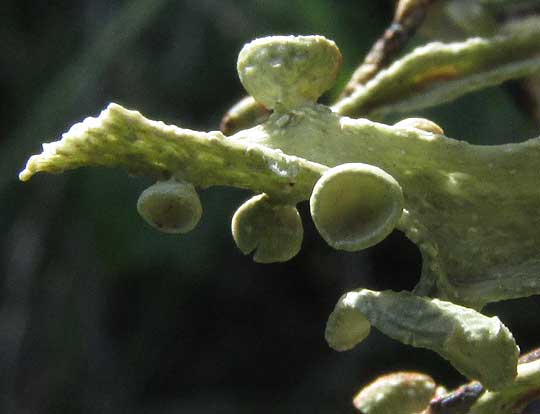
{"points": [[101, 314]]}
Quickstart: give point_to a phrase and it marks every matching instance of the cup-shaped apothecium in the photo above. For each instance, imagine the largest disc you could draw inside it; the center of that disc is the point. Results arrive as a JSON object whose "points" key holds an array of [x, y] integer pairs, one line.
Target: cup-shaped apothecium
{"points": [[396, 393], [284, 72], [355, 206], [170, 206], [274, 231]]}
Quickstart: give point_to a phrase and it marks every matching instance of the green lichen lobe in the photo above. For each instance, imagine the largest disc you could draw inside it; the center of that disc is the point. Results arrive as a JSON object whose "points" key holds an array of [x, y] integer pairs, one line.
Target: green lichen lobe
{"points": [[440, 72], [472, 210], [119, 137], [480, 347]]}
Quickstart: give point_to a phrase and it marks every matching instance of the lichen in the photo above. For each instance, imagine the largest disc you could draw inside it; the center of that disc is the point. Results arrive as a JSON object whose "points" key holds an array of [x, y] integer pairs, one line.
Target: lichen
{"points": [[472, 210], [170, 206], [273, 230], [481, 348], [369, 208], [396, 393]]}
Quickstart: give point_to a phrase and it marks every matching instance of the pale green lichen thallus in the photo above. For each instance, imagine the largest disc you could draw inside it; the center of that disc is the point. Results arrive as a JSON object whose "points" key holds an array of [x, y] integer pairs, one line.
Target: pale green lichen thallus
{"points": [[480, 347], [472, 210]]}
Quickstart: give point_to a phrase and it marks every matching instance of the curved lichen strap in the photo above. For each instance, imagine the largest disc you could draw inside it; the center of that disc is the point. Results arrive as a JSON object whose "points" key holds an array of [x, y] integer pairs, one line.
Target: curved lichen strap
{"points": [[123, 138], [479, 347], [439, 72]]}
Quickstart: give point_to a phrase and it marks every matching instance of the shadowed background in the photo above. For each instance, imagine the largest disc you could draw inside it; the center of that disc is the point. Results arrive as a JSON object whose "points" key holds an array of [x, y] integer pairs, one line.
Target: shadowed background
{"points": [[101, 314]]}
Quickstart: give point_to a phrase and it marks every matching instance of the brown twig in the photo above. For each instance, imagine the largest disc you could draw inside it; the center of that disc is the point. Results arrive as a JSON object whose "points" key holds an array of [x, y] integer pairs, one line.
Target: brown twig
{"points": [[458, 401], [408, 17], [244, 114]]}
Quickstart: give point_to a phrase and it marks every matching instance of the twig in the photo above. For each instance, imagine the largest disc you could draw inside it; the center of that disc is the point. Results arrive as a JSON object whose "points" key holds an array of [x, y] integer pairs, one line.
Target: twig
{"points": [[408, 17]]}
